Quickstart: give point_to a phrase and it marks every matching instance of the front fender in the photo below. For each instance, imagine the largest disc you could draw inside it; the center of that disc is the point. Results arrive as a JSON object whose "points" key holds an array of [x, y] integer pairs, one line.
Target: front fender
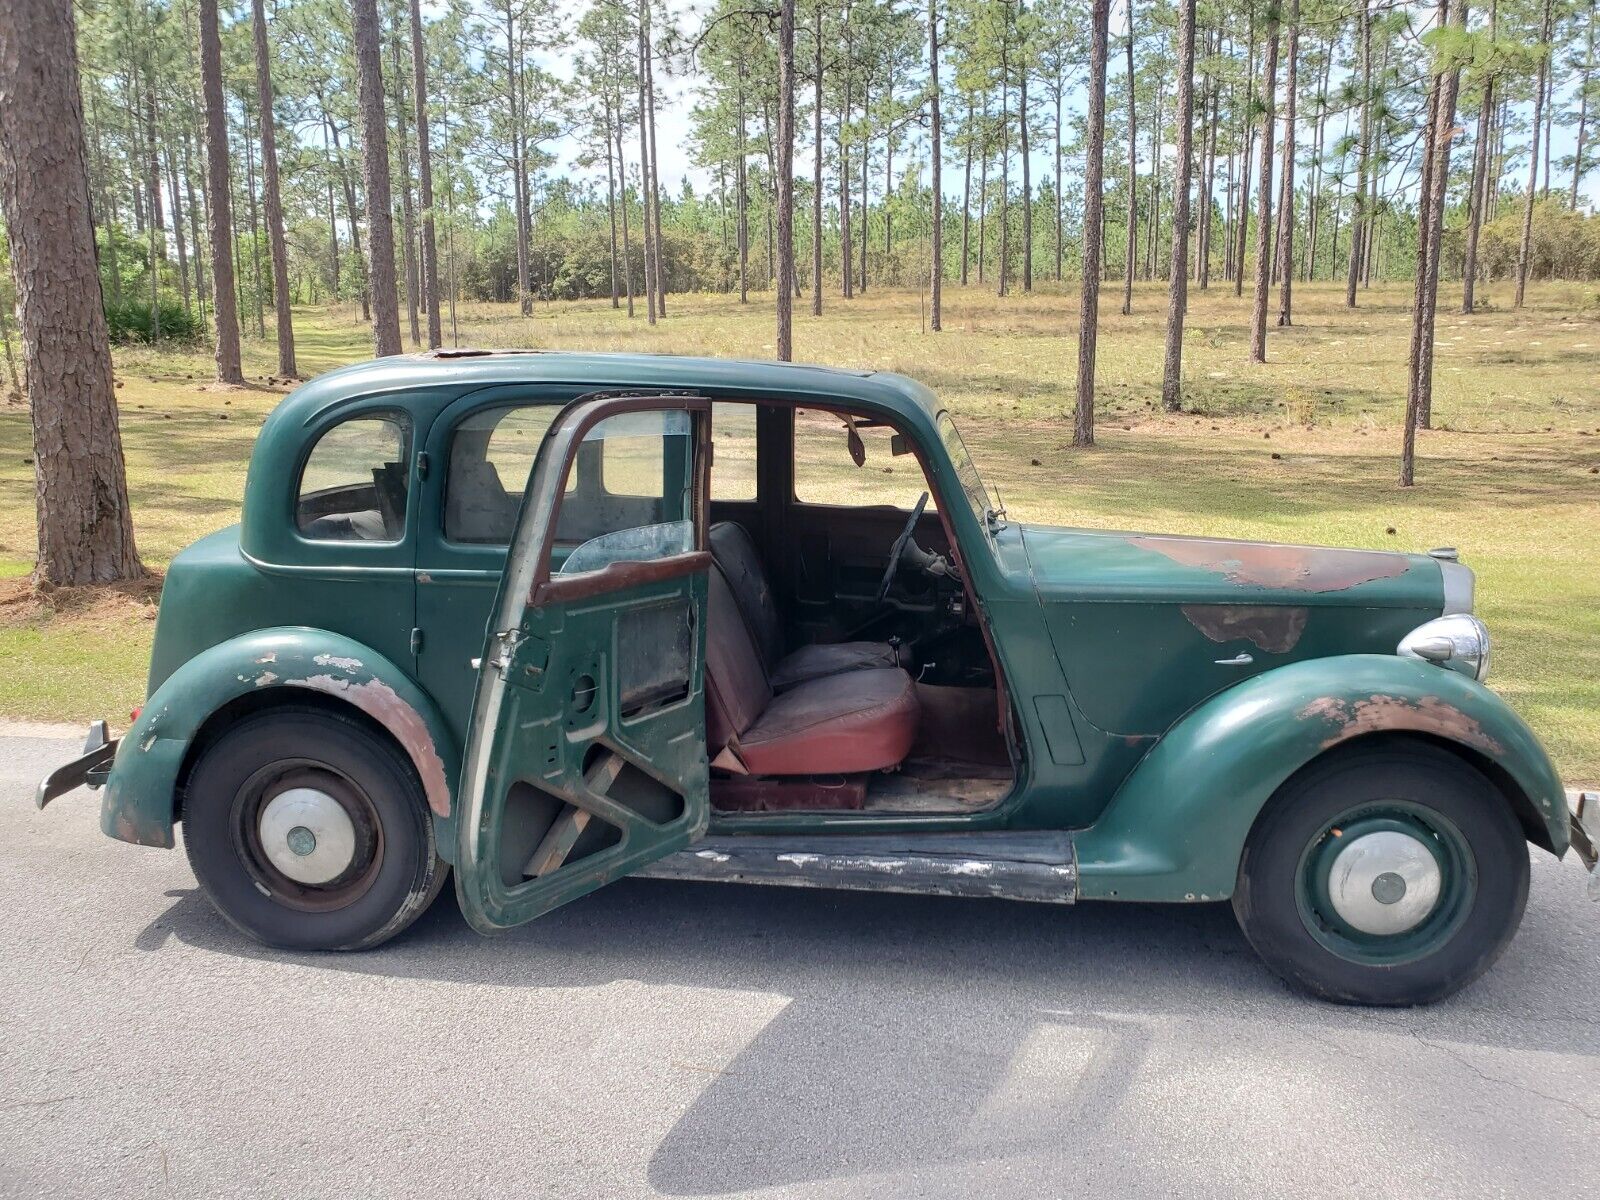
{"points": [[140, 803], [1176, 828]]}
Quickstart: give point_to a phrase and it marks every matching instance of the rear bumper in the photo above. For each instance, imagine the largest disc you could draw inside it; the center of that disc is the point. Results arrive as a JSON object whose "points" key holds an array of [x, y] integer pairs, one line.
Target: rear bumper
{"points": [[1586, 837], [91, 768]]}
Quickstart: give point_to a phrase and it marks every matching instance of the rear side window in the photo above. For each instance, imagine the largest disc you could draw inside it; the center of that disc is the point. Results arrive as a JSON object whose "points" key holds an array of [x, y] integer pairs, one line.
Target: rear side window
{"points": [[491, 454], [354, 484]]}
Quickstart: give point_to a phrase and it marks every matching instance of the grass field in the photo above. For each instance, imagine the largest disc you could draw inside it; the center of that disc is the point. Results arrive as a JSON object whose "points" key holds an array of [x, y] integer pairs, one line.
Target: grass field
{"points": [[1304, 448]]}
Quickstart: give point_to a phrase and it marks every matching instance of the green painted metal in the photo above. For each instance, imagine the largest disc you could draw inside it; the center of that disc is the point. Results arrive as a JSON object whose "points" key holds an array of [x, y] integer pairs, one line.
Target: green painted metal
{"points": [[266, 666], [1140, 726], [1176, 828]]}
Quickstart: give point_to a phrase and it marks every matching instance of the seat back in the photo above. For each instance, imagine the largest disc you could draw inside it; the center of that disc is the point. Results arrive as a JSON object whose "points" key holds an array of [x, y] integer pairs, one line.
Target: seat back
{"points": [[740, 562], [737, 691]]}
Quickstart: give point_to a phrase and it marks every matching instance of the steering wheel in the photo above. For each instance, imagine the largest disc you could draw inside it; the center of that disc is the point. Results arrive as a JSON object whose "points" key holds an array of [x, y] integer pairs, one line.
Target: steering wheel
{"points": [[899, 548]]}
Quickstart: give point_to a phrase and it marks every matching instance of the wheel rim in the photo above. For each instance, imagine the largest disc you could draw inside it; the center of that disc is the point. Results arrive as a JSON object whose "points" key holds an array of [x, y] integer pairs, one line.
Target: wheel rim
{"points": [[1386, 883], [308, 835]]}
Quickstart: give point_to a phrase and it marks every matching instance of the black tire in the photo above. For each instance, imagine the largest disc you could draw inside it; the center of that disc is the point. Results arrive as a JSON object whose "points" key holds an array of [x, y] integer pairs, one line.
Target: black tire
{"points": [[1276, 898], [395, 871]]}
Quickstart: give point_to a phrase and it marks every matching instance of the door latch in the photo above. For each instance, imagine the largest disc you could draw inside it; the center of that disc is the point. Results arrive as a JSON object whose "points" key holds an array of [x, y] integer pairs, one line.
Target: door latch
{"points": [[1238, 660]]}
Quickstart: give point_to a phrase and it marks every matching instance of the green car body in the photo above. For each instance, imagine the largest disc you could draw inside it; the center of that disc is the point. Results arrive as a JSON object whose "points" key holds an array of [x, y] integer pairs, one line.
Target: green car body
{"points": [[1163, 689]]}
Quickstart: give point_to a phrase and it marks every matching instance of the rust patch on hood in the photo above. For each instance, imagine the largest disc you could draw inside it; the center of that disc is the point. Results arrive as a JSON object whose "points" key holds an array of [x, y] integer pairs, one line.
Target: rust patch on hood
{"points": [[1267, 565], [1275, 628], [384, 705], [1381, 713]]}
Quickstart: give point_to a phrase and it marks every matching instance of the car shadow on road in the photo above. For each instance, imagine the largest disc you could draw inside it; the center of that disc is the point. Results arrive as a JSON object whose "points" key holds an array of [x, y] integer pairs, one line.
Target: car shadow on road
{"points": [[831, 1087]]}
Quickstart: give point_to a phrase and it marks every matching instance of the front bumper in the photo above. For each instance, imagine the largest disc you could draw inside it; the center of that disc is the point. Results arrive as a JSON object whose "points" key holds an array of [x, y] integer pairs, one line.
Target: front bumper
{"points": [[1586, 837], [91, 768]]}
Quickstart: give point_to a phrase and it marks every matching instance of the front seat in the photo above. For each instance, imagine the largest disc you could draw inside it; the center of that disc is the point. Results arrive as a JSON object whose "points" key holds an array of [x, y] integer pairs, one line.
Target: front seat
{"points": [[861, 720], [739, 561]]}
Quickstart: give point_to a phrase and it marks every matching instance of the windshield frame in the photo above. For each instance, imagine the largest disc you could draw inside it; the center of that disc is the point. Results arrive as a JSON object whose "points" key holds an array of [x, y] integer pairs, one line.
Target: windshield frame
{"points": [[985, 506]]}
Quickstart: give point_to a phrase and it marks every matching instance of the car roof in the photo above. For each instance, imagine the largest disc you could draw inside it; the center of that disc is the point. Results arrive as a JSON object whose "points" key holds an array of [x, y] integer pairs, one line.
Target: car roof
{"points": [[462, 370]]}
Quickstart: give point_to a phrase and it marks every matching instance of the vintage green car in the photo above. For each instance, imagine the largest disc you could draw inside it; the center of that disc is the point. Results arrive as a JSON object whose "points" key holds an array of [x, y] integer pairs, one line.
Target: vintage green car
{"points": [[823, 656]]}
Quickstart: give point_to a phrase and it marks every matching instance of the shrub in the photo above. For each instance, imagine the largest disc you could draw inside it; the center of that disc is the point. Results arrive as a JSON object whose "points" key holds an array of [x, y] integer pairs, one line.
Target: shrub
{"points": [[129, 321]]}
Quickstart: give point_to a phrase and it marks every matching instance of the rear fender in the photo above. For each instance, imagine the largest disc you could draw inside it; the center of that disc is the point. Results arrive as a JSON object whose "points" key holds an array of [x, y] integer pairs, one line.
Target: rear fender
{"points": [[140, 803], [1176, 828]]}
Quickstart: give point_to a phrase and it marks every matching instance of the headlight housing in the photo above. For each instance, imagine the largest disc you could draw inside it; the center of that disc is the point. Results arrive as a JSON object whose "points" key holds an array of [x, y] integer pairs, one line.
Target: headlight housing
{"points": [[1459, 642]]}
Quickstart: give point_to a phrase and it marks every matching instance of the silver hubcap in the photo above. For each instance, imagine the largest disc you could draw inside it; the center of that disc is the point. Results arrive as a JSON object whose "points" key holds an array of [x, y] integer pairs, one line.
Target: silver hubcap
{"points": [[308, 835], [1385, 883]]}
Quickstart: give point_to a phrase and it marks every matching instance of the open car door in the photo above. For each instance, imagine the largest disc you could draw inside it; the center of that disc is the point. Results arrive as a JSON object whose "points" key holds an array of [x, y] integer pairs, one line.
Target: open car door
{"points": [[586, 754]]}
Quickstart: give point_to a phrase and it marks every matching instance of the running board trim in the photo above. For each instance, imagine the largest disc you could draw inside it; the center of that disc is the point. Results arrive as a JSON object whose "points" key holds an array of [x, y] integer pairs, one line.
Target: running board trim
{"points": [[1041, 868]]}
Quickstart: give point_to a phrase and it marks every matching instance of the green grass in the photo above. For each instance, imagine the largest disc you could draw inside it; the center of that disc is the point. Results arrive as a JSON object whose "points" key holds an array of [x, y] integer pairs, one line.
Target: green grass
{"points": [[1506, 475]]}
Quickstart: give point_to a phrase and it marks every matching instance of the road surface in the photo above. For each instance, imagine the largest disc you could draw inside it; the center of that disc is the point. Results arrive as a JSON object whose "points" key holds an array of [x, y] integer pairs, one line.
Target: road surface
{"points": [[700, 1039]]}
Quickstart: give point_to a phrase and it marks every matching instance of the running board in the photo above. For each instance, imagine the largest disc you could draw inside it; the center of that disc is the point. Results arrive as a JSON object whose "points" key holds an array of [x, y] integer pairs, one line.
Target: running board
{"points": [[1040, 867]]}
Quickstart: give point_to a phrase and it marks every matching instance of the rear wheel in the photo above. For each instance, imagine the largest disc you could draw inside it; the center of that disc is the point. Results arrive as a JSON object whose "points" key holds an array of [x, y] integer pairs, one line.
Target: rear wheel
{"points": [[310, 832], [1388, 876]]}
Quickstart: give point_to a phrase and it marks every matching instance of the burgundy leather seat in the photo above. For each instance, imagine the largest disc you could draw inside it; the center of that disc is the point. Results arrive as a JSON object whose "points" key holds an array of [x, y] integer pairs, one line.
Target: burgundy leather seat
{"points": [[860, 720], [740, 563]]}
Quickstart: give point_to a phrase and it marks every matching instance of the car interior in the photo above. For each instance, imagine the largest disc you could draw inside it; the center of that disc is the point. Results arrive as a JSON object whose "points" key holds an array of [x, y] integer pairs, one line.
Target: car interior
{"points": [[846, 668]]}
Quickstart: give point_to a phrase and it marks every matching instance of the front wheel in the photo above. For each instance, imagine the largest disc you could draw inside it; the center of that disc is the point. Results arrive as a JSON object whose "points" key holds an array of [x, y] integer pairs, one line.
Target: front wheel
{"points": [[310, 832], [1389, 876]]}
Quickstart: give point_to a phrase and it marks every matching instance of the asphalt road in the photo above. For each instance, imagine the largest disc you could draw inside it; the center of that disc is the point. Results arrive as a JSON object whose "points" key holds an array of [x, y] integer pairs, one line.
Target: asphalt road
{"points": [[703, 1039]]}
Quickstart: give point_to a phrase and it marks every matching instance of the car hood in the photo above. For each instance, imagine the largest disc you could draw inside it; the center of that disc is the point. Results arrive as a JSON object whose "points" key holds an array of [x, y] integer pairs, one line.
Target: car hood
{"points": [[1134, 567]]}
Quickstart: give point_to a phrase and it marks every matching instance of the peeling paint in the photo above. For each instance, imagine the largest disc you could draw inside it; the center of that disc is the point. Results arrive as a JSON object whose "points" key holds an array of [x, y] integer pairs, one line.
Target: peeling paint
{"points": [[271, 656], [266, 678], [1382, 713], [381, 702], [1275, 628], [1267, 565], [333, 660]]}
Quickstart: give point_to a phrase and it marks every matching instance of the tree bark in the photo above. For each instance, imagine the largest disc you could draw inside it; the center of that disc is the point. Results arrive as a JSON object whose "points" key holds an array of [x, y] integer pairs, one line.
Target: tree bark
{"points": [[1133, 179], [375, 177], [936, 132], [85, 525], [272, 197], [408, 219], [1269, 96], [1478, 193], [816, 163], [1358, 194], [647, 233], [1285, 247], [219, 199], [1027, 171], [1525, 247], [430, 244], [1093, 212], [785, 282], [1178, 284], [1583, 111]]}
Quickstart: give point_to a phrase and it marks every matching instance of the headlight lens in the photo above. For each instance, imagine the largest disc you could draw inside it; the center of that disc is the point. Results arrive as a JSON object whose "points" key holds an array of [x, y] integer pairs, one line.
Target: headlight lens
{"points": [[1458, 641]]}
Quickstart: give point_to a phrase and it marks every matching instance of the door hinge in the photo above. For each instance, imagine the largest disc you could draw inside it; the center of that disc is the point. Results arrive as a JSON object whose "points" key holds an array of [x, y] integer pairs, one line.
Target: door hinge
{"points": [[506, 643], [416, 640]]}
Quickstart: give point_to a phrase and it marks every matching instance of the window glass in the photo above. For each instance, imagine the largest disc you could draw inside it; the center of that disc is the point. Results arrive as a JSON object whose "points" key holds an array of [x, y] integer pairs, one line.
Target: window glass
{"points": [[733, 469], [491, 454], [354, 484], [825, 471], [645, 510]]}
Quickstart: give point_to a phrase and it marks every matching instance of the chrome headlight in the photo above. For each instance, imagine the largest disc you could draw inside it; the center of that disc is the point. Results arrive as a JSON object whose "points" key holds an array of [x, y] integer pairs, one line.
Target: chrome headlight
{"points": [[1458, 641]]}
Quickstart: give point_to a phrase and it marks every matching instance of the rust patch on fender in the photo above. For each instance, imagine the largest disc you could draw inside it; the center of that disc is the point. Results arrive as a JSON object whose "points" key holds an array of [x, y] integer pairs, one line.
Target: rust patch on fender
{"points": [[1381, 713], [1275, 628], [1264, 564], [384, 705]]}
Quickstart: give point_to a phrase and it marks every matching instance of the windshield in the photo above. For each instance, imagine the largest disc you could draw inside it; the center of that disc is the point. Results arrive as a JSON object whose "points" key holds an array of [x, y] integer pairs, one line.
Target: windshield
{"points": [[988, 511]]}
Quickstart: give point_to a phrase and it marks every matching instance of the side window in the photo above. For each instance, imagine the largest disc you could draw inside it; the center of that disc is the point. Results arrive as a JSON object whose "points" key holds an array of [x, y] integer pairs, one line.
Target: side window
{"points": [[645, 510], [826, 471], [733, 469], [491, 453], [353, 487]]}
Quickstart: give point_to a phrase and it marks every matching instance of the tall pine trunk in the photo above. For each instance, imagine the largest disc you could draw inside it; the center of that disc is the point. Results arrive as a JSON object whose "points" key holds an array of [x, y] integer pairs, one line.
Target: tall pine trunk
{"points": [[375, 177], [219, 198], [785, 156], [1093, 215], [1525, 247], [1269, 90], [272, 197], [1178, 284], [85, 525], [1133, 179], [816, 160], [1285, 247], [1358, 194], [430, 243], [408, 219], [936, 132]]}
